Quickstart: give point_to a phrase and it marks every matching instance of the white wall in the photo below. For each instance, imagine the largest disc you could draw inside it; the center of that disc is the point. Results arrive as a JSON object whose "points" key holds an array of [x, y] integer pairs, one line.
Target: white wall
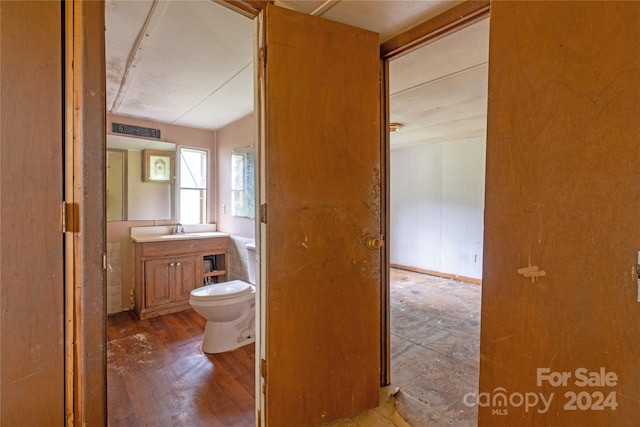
{"points": [[437, 207], [240, 133]]}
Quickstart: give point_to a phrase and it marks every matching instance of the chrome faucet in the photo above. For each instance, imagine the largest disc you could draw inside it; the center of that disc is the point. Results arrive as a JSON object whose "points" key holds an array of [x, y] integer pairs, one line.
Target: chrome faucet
{"points": [[178, 229]]}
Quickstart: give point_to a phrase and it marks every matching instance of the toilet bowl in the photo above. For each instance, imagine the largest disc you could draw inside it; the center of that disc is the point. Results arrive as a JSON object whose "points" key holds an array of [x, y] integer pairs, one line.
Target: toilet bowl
{"points": [[229, 308]]}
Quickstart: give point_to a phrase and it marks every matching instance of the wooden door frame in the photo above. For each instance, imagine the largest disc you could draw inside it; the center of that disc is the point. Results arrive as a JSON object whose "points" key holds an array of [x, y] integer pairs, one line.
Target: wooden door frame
{"points": [[447, 23], [85, 231], [85, 330], [429, 31]]}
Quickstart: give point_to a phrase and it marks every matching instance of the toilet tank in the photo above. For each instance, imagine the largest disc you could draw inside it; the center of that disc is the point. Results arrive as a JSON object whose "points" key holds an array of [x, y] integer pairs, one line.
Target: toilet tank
{"points": [[251, 262]]}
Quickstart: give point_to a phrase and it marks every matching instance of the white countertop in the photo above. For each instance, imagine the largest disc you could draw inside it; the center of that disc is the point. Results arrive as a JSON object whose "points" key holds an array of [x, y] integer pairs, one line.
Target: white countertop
{"points": [[185, 236], [164, 233]]}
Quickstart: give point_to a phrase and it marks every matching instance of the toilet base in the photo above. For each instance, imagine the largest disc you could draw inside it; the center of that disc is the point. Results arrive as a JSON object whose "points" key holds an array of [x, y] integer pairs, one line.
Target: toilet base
{"points": [[220, 337]]}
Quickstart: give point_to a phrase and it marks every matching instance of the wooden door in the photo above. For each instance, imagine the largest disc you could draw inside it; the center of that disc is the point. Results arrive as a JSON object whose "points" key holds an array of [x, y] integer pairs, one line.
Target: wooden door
{"points": [[158, 281], [186, 277], [560, 287], [32, 353], [320, 187]]}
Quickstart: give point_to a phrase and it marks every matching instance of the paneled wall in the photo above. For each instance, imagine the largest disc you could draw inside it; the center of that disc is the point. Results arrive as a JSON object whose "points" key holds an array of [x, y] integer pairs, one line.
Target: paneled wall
{"points": [[437, 201], [114, 278]]}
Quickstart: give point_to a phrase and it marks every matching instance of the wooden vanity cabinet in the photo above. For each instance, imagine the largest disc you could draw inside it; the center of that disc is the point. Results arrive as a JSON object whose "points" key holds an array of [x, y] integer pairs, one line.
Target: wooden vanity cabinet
{"points": [[169, 279], [167, 271]]}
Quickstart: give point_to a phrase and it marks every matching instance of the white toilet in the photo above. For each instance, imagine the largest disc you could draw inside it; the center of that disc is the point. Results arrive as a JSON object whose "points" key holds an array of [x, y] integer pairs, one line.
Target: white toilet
{"points": [[230, 310]]}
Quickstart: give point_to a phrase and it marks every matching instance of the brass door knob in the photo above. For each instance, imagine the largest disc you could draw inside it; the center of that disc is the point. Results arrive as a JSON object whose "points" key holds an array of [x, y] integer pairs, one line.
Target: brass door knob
{"points": [[373, 243]]}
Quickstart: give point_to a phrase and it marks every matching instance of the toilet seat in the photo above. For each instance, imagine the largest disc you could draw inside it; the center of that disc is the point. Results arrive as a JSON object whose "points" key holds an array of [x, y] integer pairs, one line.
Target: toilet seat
{"points": [[223, 290]]}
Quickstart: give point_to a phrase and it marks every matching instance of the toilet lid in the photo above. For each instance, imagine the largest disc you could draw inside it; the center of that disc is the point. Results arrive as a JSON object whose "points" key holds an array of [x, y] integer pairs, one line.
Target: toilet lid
{"points": [[223, 290]]}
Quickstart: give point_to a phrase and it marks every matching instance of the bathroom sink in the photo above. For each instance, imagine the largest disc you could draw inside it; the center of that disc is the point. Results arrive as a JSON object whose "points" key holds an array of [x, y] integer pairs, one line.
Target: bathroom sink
{"points": [[163, 233], [180, 236], [203, 235], [177, 236]]}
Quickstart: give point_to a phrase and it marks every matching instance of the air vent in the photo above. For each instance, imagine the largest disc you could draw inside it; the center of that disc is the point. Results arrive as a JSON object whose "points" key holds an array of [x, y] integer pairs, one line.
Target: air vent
{"points": [[135, 131]]}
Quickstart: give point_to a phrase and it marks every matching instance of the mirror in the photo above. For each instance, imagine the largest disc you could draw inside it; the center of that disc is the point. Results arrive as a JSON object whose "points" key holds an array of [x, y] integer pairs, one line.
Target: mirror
{"points": [[116, 185], [242, 183], [129, 197]]}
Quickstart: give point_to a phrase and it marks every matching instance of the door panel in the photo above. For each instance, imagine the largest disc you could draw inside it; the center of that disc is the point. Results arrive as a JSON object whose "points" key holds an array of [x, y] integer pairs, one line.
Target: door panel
{"points": [[559, 292], [158, 279], [186, 275], [320, 180], [32, 361]]}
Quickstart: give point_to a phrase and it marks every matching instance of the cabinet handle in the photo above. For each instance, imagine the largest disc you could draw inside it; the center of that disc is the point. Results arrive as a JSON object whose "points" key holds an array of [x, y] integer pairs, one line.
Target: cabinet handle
{"points": [[177, 263], [170, 264]]}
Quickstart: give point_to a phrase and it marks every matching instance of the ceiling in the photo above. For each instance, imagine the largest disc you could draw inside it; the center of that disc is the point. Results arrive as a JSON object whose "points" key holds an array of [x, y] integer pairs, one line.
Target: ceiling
{"points": [[439, 92], [190, 63]]}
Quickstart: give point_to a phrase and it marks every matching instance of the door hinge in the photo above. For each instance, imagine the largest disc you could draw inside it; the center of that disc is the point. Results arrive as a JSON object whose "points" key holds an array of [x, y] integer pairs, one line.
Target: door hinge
{"points": [[68, 217], [638, 273], [263, 213], [262, 61], [263, 368], [263, 56]]}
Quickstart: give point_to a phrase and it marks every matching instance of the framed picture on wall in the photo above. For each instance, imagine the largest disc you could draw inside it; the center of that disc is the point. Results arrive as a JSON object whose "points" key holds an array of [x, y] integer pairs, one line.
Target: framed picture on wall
{"points": [[157, 165]]}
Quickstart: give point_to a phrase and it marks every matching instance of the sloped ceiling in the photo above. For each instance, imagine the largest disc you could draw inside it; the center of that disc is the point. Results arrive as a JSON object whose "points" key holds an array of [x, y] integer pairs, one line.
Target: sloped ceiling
{"points": [[190, 63]]}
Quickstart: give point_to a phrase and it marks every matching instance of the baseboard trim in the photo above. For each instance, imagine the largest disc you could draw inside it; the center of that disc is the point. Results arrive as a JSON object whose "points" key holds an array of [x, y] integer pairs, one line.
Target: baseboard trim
{"points": [[438, 273]]}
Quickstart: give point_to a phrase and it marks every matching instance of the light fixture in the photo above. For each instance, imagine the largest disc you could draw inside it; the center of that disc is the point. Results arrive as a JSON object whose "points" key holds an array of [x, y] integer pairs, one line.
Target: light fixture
{"points": [[394, 127]]}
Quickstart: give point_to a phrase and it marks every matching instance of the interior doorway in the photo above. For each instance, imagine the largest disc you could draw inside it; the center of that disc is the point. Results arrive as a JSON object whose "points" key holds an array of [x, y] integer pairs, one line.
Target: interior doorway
{"points": [[437, 103], [169, 67]]}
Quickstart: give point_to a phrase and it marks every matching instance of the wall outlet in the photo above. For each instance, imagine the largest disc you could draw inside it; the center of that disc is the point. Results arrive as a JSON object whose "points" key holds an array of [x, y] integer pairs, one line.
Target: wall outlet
{"points": [[473, 258]]}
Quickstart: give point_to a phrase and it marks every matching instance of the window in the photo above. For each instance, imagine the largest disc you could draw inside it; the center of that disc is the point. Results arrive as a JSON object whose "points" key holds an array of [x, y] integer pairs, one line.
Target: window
{"points": [[192, 193], [242, 188]]}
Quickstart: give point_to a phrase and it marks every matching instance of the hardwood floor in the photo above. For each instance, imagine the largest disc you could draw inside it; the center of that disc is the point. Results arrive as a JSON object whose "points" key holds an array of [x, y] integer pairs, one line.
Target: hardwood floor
{"points": [[158, 376]]}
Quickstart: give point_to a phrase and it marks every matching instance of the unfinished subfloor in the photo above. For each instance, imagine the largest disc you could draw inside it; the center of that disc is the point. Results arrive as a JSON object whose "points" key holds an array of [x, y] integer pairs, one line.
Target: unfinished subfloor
{"points": [[435, 341], [157, 376]]}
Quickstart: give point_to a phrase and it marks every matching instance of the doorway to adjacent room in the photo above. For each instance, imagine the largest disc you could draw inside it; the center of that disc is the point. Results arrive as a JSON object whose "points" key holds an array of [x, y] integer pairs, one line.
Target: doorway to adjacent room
{"points": [[437, 103]]}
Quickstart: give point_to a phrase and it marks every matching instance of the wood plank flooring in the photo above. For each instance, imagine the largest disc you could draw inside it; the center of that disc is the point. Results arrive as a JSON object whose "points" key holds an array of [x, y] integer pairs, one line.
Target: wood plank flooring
{"points": [[157, 376]]}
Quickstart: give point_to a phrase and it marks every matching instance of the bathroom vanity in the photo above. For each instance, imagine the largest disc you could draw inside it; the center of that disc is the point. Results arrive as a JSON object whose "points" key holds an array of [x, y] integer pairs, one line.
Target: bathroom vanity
{"points": [[168, 267]]}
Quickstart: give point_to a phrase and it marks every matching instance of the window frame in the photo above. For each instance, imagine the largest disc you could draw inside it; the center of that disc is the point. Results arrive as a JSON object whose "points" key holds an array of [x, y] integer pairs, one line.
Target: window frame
{"points": [[179, 187]]}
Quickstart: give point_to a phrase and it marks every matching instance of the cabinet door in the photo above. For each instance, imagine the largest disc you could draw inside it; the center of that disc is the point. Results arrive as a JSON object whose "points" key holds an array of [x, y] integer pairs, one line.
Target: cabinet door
{"points": [[186, 277], [158, 278]]}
